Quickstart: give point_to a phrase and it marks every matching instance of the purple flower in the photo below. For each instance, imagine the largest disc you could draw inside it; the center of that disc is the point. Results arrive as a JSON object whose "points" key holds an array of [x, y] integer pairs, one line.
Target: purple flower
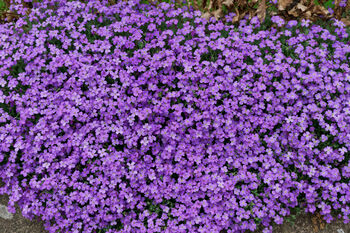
{"points": [[124, 120]]}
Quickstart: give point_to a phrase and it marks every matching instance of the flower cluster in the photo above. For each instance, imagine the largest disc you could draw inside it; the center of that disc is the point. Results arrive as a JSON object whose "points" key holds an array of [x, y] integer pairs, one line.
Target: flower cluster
{"points": [[144, 119]]}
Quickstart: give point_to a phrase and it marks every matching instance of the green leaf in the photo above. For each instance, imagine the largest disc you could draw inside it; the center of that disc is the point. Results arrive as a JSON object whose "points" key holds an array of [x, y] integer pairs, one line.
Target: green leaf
{"points": [[329, 4], [2, 6]]}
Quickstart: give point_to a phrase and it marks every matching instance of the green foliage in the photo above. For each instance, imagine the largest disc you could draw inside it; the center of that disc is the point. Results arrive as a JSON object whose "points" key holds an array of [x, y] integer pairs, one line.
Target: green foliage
{"points": [[329, 4], [2, 6], [212, 55]]}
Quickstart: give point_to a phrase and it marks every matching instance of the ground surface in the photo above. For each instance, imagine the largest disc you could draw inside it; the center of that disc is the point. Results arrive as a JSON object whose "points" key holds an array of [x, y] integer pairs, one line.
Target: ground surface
{"points": [[304, 223], [16, 223]]}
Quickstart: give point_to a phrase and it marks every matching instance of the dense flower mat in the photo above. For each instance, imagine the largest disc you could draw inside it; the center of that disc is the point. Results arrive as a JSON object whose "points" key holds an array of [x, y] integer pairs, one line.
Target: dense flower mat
{"points": [[130, 118]]}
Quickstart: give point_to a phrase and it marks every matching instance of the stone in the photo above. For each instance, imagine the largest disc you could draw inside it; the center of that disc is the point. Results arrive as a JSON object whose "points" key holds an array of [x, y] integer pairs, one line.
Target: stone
{"points": [[4, 212]]}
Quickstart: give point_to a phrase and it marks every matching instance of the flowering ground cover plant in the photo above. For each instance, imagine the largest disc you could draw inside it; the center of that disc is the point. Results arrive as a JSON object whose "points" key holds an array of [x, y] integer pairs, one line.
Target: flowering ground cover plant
{"points": [[129, 118]]}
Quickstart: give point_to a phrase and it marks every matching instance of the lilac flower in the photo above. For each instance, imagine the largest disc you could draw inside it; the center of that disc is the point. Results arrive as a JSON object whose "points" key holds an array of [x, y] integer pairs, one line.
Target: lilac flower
{"points": [[125, 128], [305, 23], [278, 20], [292, 23]]}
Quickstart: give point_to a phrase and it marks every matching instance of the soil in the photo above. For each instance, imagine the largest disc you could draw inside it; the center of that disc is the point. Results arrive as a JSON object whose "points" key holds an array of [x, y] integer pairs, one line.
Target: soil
{"points": [[311, 223], [304, 223]]}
